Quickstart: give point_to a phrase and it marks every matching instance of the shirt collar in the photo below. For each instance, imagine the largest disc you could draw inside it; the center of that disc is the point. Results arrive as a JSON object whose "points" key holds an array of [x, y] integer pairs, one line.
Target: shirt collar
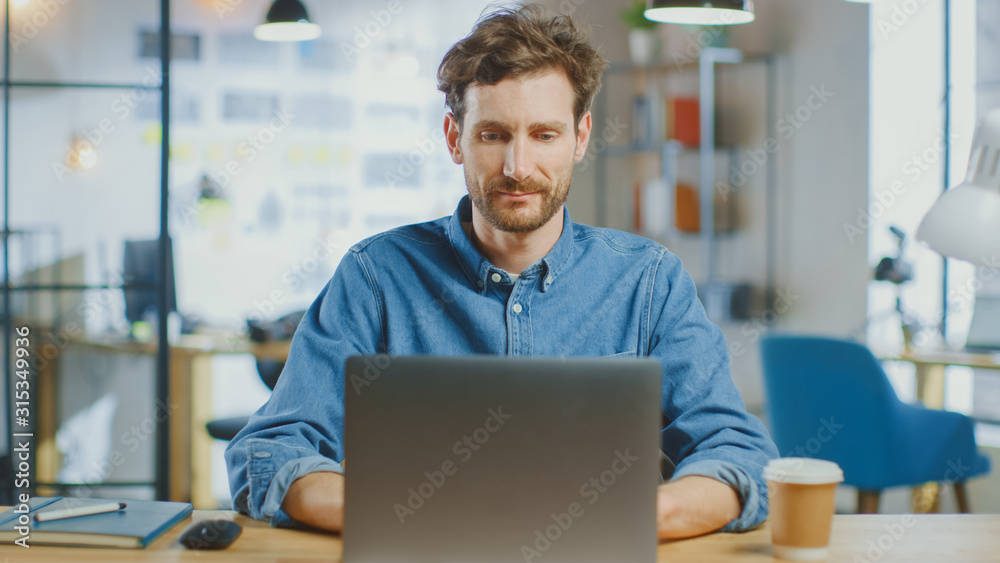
{"points": [[477, 268]]}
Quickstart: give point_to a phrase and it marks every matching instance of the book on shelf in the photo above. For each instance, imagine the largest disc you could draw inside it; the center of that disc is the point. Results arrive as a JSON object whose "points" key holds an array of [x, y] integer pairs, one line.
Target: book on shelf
{"points": [[684, 120]]}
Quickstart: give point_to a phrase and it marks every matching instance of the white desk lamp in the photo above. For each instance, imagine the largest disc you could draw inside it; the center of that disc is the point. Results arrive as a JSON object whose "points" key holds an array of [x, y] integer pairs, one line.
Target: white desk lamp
{"points": [[964, 222]]}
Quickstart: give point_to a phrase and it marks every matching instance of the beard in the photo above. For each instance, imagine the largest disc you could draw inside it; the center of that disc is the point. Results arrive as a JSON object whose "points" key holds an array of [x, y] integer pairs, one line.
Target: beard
{"points": [[522, 216]]}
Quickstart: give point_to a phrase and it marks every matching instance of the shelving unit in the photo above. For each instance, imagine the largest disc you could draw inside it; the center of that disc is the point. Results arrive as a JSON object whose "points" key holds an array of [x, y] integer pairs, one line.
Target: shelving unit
{"points": [[669, 152], [706, 105]]}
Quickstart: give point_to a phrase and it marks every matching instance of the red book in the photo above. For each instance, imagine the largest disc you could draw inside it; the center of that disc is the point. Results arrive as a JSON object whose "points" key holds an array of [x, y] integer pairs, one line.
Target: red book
{"points": [[683, 121]]}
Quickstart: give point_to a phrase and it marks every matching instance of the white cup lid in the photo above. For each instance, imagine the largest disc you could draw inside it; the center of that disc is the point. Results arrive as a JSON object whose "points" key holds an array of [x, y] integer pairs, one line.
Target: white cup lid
{"points": [[803, 471]]}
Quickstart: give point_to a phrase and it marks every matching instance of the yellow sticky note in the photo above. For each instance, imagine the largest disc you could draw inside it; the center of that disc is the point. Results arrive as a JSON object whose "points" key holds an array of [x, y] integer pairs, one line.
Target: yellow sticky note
{"points": [[152, 134]]}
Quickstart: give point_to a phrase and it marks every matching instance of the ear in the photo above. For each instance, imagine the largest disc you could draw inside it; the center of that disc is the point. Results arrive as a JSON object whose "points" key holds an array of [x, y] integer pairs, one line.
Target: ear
{"points": [[582, 137], [452, 135]]}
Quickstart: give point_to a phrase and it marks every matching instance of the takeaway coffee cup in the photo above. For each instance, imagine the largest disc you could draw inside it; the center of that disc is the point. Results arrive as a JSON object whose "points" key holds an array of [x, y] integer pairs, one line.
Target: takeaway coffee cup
{"points": [[801, 494]]}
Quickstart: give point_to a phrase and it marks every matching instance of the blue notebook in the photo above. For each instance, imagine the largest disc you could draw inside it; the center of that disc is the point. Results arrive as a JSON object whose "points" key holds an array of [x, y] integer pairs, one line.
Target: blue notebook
{"points": [[141, 522]]}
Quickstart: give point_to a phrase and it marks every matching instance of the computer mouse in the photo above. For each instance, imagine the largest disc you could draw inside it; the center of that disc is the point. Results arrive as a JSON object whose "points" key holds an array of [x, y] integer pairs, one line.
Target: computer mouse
{"points": [[210, 534]]}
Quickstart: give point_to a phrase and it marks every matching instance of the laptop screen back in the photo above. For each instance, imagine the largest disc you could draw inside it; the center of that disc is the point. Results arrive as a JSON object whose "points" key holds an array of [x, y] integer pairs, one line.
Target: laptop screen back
{"points": [[501, 459]]}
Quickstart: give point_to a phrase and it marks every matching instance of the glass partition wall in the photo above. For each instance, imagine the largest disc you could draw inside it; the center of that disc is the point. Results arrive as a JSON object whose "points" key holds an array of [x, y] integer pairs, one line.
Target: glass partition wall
{"points": [[85, 131]]}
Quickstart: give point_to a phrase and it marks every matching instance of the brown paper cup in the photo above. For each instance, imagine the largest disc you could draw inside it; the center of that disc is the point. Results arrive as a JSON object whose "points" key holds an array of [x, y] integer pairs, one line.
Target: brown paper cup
{"points": [[801, 492]]}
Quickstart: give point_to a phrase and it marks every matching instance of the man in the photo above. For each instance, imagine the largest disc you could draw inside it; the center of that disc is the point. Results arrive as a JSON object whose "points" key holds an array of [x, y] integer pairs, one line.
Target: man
{"points": [[509, 273]]}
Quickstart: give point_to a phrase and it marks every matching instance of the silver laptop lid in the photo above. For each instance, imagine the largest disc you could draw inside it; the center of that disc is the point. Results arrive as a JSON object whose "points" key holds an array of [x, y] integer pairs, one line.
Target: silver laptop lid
{"points": [[489, 459]]}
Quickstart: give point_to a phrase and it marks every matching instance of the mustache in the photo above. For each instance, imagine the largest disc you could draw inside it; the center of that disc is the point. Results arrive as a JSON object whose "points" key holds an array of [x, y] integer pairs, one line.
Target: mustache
{"points": [[507, 184]]}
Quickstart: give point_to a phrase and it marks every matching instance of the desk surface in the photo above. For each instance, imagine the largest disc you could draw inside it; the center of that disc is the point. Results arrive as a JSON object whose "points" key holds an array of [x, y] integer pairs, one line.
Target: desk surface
{"points": [[883, 538], [950, 358], [194, 345]]}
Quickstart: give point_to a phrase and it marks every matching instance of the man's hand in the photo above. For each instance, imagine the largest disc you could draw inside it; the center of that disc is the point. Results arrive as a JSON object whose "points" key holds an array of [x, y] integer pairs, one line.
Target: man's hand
{"points": [[689, 506], [694, 505], [317, 500]]}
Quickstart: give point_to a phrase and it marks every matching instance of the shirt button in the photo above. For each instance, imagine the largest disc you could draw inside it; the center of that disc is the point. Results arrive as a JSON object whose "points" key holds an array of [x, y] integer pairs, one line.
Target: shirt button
{"points": [[496, 277], [517, 308], [548, 280]]}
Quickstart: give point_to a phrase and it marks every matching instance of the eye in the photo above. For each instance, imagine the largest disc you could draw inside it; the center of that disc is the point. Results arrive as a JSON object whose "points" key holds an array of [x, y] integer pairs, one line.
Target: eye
{"points": [[491, 136], [546, 136]]}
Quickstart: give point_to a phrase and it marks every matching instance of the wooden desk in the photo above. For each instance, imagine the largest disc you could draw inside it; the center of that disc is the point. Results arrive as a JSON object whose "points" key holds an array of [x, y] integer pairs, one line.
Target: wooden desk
{"points": [[928, 537], [931, 367], [190, 377]]}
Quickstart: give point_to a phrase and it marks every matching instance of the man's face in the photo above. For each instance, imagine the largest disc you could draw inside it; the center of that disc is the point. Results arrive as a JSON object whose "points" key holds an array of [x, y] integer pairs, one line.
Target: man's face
{"points": [[518, 146]]}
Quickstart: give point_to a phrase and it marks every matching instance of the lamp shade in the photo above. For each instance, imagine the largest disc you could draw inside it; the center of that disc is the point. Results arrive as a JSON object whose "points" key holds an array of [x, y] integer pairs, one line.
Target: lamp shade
{"points": [[964, 222], [287, 20], [700, 12]]}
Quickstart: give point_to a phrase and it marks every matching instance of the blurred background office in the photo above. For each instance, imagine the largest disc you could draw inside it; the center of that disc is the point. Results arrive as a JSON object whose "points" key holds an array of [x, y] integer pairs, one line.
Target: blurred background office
{"points": [[834, 126]]}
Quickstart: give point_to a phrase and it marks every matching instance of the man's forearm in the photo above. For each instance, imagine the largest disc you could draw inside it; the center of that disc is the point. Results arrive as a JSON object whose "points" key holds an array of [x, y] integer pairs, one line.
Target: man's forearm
{"points": [[317, 500], [694, 505]]}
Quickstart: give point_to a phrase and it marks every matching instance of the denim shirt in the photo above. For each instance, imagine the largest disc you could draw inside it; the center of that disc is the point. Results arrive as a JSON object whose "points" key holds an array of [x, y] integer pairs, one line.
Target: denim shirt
{"points": [[425, 289]]}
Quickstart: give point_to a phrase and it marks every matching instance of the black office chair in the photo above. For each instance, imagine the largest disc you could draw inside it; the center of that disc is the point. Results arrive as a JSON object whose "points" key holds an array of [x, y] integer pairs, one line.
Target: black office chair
{"points": [[228, 428], [269, 370]]}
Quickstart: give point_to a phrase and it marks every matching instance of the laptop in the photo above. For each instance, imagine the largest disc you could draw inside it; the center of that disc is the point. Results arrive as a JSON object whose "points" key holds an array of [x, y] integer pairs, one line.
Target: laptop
{"points": [[495, 459], [984, 332]]}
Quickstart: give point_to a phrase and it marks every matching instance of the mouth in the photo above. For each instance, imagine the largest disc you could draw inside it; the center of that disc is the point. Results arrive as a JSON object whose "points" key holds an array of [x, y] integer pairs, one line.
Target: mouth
{"points": [[516, 196]]}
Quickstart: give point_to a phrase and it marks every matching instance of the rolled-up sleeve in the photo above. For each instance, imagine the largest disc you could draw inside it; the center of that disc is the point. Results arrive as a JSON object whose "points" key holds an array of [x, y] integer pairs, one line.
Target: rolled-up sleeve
{"points": [[272, 467], [299, 430], [709, 431]]}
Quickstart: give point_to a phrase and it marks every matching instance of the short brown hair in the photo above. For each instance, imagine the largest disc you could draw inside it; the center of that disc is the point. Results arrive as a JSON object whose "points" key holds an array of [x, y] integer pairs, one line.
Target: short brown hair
{"points": [[515, 42]]}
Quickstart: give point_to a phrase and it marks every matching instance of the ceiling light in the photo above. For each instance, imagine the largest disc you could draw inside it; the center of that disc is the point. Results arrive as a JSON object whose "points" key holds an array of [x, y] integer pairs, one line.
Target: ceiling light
{"points": [[700, 12], [287, 20]]}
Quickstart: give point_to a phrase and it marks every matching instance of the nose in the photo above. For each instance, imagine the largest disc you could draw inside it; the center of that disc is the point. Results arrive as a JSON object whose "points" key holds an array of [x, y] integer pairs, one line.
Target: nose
{"points": [[517, 162]]}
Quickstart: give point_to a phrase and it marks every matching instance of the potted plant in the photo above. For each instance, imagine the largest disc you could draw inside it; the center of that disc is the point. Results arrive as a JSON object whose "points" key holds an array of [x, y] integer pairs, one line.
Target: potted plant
{"points": [[643, 42]]}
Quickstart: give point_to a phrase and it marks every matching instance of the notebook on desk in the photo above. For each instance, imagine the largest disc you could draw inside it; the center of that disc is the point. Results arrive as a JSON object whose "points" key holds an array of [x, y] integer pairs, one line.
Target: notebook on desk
{"points": [[141, 522], [491, 459]]}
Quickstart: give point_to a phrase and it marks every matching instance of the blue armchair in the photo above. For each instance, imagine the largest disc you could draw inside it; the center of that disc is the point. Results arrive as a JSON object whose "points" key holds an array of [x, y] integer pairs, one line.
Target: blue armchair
{"points": [[830, 399]]}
